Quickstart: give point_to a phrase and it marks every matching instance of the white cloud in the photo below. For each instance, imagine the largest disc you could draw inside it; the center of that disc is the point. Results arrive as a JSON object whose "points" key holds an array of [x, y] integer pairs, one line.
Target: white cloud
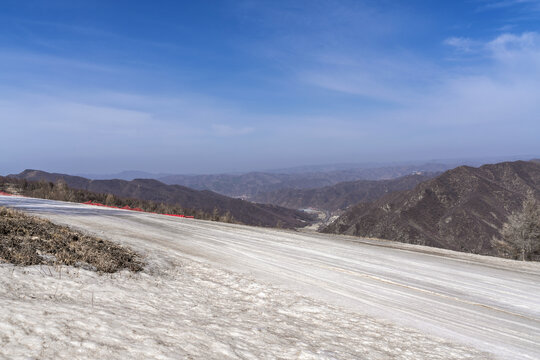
{"points": [[513, 46]]}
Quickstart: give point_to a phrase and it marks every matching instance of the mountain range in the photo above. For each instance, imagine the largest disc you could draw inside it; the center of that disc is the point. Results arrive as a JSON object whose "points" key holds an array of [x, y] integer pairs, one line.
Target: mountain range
{"points": [[250, 185], [341, 195], [461, 209]]}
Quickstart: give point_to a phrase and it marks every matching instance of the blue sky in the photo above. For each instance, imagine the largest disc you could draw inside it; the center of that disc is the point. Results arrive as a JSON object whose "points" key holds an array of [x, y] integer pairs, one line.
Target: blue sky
{"points": [[214, 86]]}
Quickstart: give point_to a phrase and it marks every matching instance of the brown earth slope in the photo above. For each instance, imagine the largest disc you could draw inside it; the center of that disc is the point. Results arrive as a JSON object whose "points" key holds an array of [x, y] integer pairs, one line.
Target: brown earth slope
{"points": [[146, 189], [342, 195], [462, 209]]}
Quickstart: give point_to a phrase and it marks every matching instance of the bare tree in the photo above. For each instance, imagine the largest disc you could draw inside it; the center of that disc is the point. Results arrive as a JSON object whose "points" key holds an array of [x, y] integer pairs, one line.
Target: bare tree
{"points": [[215, 214], [521, 234], [109, 200]]}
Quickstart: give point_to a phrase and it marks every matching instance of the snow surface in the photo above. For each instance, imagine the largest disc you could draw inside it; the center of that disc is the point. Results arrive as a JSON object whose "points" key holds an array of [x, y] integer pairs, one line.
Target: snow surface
{"points": [[220, 291], [189, 310]]}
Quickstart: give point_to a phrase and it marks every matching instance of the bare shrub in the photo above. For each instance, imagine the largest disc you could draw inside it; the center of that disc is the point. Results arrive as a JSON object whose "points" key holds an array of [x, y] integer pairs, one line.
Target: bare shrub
{"points": [[27, 240]]}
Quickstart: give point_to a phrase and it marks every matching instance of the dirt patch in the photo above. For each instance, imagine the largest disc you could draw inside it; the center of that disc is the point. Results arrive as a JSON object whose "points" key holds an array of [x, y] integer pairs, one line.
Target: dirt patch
{"points": [[27, 240]]}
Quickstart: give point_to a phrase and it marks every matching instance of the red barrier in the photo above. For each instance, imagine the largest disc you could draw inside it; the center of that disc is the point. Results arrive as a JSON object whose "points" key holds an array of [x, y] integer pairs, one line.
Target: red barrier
{"points": [[126, 208], [116, 207], [176, 215]]}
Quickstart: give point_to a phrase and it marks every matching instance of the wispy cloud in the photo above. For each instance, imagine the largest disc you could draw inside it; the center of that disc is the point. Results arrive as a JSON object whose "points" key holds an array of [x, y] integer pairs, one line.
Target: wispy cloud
{"points": [[500, 90], [525, 44], [503, 85], [462, 44], [17, 58], [227, 130], [379, 77], [83, 120], [32, 29], [501, 4]]}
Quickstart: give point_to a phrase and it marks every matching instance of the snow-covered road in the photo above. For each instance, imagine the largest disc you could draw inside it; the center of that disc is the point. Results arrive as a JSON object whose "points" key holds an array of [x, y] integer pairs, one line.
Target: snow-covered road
{"points": [[486, 304]]}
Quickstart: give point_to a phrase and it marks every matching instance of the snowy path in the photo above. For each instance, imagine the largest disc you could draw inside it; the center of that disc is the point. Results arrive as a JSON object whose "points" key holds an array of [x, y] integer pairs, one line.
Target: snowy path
{"points": [[357, 295]]}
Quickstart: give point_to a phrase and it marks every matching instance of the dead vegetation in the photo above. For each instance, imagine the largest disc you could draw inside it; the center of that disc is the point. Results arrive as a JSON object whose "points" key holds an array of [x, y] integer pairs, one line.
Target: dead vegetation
{"points": [[27, 240]]}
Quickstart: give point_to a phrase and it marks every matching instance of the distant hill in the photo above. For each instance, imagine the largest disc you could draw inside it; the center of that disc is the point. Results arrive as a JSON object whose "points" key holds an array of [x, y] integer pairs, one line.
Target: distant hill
{"points": [[123, 175], [341, 195], [326, 168], [153, 190], [251, 184], [462, 209]]}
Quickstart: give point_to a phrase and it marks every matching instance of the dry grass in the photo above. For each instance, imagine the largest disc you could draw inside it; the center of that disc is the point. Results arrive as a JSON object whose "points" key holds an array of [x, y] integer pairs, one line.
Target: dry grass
{"points": [[27, 240]]}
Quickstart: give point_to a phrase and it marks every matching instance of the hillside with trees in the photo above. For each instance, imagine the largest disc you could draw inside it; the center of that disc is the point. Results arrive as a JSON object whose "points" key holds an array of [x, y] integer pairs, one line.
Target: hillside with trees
{"points": [[60, 191], [199, 202], [463, 209]]}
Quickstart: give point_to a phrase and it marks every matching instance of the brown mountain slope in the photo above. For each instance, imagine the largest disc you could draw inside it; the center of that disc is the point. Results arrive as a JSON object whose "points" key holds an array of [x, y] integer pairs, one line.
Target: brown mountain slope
{"points": [[342, 195], [462, 209], [153, 190]]}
